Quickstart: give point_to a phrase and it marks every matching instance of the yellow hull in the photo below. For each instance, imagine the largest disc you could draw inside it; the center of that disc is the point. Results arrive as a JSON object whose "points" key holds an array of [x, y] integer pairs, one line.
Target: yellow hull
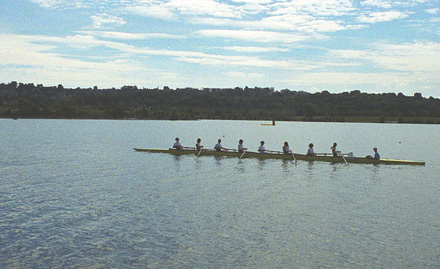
{"points": [[323, 158]]}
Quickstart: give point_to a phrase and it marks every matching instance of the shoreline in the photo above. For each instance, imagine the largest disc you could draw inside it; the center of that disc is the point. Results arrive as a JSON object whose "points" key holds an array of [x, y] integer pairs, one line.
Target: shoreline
{"points": [[348, 119]]}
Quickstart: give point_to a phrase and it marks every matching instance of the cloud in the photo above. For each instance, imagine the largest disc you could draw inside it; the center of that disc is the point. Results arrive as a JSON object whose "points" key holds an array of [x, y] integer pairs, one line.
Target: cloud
{"points": [[243, 75], [316, 8], [221, 60], [311, 16], [301, 16], [151, 10], [410, 59], [365, 81], [253, 2], [255, 49], [205, 7], [38, 52], [48, 3], [300, 23], [255, 36], [33, 54], [104, 20], [433, 11], [44, 44], [83, 42], [65, 4], [350, 78], [376, 17], [387, 4], [408, 67], [291, 23], [215, 21], [308, 16], [419, 57], [130, 36], [25, 60], [171, 9], [38, 49], [377, 3]]}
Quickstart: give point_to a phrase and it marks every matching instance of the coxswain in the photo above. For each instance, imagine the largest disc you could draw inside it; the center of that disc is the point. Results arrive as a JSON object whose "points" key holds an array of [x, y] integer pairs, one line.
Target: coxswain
{"points": [[376, 155]]}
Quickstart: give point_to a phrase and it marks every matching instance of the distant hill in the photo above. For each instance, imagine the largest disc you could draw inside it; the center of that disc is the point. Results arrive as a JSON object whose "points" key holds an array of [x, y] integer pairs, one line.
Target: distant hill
{"points": [[18, 100]]}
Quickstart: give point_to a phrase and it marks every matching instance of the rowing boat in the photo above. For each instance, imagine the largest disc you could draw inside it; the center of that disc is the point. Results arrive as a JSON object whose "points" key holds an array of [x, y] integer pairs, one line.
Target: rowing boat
{"points": [[248, 154]]}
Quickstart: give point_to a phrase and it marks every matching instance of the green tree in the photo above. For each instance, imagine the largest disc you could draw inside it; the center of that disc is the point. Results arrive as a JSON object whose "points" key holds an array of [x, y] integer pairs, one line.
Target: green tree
{"points": [[309, 110]]}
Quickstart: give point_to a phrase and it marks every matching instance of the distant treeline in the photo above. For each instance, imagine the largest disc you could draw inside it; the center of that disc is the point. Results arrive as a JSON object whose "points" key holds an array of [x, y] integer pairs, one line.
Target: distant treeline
{"points": [[18, 100]]}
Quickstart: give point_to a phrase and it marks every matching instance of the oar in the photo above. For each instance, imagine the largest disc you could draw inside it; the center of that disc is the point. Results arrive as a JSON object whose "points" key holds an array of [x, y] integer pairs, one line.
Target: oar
{"points": [[293, 155], [244, 151], [198, 155], [342, 155]]}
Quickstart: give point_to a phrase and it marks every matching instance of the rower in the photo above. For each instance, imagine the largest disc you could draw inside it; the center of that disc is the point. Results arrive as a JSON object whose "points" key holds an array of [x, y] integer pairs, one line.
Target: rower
{"points": [[219, 146], [240, 146], [310, 151], [177, 144], [286, 149], [261, 148], [198, 144], [334, 151]]}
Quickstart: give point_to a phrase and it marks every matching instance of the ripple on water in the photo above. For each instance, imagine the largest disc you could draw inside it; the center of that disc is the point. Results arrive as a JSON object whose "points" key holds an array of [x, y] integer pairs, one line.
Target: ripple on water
{"points": [[84, 198]]}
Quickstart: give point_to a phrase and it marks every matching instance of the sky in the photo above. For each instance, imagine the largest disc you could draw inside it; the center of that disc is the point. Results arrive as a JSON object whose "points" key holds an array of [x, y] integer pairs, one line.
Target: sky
{"points": [[374, 46]]}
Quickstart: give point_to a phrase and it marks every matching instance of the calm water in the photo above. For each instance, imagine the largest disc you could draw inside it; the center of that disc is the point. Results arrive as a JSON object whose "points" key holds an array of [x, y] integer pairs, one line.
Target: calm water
{"points": [[73, 193]]}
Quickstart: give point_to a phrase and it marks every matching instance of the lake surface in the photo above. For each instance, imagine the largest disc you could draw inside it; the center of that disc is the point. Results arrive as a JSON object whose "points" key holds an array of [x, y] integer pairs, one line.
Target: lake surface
{"points": [[74, 194]]}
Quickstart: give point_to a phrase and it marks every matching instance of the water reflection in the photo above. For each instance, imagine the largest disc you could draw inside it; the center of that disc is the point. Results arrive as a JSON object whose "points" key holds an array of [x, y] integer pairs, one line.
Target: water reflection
{"points": [[335, 170], [218, 160], [177, 161], [240, 166], [198, 162], [310, 169], [261, 163], [334, 174], [375, 170], [286, 164]]}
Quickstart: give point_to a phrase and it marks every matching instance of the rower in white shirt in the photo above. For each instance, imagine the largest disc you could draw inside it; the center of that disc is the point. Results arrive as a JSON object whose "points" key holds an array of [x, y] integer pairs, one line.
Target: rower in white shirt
{"points": [[177, 144], [261, 148], [286, 148], [219, 146], [240, 146], [310, 151], [198, 144]]}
